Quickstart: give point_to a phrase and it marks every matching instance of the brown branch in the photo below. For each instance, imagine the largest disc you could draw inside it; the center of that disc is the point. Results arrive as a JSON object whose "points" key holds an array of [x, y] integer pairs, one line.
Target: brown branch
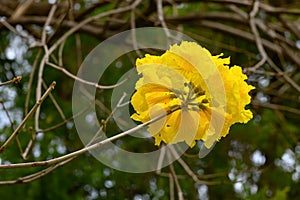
{"points": [[55, 103], [14, 80], [276, 107], [240, 33], [85, 149], [31, 77], [96, 85], [175, 179], [267, 8], [171, 186], [42, 64], [7, 8], [33, 136], [258, 40], [186, 167], [62, 123], [21, 9], [88, 20], [37, 175]]}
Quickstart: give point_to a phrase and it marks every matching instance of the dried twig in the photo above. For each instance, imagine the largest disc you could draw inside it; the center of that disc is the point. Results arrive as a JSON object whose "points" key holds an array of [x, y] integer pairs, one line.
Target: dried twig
{"points": [[174, 177], [85, 149], [11, 125], [42, 63], [88, 20], [37, 175], [96, 85], [161, 19], [14, 80], [171, 186], [256, 36]]}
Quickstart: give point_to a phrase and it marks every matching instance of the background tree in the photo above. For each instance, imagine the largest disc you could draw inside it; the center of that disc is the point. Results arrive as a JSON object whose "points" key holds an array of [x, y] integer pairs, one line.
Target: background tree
{"points": [[46, 41]]}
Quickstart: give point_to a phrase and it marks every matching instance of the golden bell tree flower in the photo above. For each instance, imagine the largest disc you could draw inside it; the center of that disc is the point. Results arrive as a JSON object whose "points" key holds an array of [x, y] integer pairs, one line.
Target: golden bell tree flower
{"points": [[200, 93]]}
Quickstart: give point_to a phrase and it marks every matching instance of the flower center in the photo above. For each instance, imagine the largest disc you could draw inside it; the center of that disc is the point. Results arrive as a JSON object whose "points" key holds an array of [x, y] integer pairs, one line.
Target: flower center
{"points": [[191, 97]]}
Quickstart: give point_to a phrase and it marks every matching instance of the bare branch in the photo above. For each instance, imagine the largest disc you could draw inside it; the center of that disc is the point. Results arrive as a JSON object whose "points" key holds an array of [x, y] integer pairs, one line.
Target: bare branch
{"points": [[21, 9], [42, 64], [256, 35], [14, 80], [83, 150], [96, 85], [174, 177]]}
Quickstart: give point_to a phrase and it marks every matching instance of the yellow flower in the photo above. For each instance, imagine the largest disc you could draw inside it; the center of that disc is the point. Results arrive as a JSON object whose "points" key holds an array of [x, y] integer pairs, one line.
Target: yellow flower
{"points": [[200, 93]]}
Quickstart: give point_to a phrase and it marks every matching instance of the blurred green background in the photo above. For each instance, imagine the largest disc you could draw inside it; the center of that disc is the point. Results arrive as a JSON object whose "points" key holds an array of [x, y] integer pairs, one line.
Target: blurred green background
{"points": [[259, 160]]}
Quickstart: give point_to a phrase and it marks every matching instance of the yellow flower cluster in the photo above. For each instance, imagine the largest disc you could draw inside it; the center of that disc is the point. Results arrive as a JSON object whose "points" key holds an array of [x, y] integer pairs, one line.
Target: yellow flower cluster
{"points": [[200, 93]]}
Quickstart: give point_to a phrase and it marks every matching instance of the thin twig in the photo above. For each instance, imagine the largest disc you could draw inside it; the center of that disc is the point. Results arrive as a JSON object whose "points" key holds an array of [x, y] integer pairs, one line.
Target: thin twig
{"points": [[60, 53], [29, 146], [160, 160], [171, 186], [107, 119], [31, 77], [85, 149], [21, 9], [187, 168], [37, 175], [161, 19], [174, 176], [7, 114], [12, 126], [14, 80], [184, 165], [96, 85], [78, 49], [277, 107], [34, 108], [58, 108], [14, 30], [33, 136], [287, 78], [88, 20], [63, 122], [92, 99], [42, 63], [133, 33], [256, 36]]}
